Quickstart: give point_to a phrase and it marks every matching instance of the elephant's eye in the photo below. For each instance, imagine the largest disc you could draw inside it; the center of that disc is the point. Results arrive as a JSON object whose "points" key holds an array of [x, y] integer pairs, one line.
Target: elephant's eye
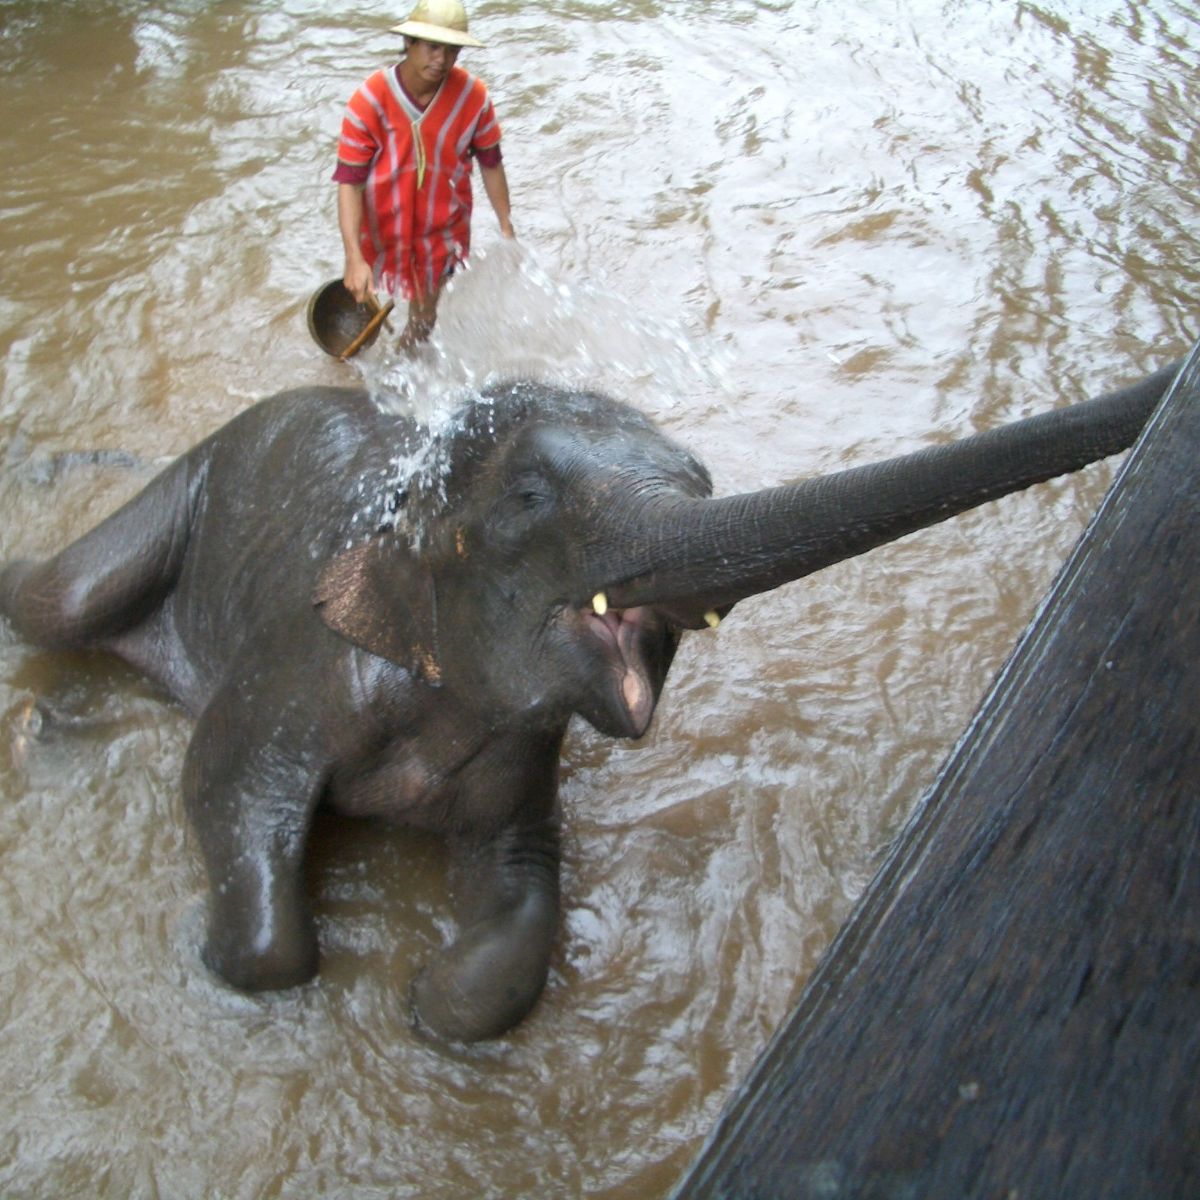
{"points": [[527, 492], [526, 499]]}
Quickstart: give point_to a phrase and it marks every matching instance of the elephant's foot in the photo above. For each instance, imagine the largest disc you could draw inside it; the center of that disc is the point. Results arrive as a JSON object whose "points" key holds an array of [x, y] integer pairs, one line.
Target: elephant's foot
{"points": [[261, 935], [268, 964], [251, 804], [491, 977], [111, 579]]}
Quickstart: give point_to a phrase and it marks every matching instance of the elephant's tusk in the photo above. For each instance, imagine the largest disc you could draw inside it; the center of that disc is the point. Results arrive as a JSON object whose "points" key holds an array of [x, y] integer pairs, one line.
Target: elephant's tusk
{"points": [[600, 604], [711, 619]]}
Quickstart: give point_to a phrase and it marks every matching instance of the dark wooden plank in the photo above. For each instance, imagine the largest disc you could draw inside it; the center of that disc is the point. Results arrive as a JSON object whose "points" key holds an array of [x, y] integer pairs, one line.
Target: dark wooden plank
{"points": [[1013, 1009]]}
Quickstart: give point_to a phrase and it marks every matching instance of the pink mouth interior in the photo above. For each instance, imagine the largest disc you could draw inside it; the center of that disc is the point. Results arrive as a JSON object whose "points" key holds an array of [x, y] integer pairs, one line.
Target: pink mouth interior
{"points": [[619, 628]]}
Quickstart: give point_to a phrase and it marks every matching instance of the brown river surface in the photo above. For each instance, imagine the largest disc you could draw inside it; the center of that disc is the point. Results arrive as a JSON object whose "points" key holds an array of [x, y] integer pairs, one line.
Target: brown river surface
{"points": [[802, 236]]}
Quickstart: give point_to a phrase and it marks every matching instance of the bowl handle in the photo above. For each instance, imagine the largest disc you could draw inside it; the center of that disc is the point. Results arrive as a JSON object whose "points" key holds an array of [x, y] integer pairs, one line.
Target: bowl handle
{"points": [[381, 315]]}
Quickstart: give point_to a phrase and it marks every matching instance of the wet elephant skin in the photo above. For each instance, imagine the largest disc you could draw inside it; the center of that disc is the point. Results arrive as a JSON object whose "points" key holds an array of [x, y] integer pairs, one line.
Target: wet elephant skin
{"points": [[411, 643]]}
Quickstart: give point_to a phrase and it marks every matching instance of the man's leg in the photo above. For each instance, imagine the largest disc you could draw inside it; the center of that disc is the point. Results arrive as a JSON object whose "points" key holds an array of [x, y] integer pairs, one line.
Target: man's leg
{"points": [[422, 316]]}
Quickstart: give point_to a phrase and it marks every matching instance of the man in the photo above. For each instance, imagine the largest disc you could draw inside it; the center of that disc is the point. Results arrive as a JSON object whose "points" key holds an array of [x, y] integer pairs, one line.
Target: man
{"points": [[404, 167]]}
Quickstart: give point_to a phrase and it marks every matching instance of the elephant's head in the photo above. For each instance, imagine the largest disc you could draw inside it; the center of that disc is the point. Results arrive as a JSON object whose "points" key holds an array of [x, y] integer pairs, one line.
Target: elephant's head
{"points": [[489, 584], [549, 562]]}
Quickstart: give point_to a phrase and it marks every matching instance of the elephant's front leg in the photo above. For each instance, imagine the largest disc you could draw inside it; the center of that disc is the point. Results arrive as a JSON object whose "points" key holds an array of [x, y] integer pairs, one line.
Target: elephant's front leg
{"points": [[506, 893], [250, 800]]}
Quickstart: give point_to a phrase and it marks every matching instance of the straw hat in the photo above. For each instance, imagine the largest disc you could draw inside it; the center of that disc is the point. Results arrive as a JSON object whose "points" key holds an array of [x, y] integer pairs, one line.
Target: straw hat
{"points": [[442, 21]]}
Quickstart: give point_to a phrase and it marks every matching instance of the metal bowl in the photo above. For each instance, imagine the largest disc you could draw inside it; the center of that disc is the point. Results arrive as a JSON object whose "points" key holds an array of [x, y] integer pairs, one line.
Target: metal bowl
{"points": [[335, 318]]}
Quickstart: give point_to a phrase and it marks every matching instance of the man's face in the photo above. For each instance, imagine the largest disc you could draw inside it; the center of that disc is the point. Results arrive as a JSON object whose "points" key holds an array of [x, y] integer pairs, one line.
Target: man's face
{"points": [[431, 60]]}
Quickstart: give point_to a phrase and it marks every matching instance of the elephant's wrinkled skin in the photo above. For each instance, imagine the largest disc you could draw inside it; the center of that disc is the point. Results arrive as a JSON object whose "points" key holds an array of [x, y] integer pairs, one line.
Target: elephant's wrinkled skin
{"points": [[403, 653]]}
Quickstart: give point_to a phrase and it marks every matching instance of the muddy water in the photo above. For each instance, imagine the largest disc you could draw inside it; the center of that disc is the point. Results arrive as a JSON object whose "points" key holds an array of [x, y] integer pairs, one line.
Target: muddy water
{"points": [[802, 236]]}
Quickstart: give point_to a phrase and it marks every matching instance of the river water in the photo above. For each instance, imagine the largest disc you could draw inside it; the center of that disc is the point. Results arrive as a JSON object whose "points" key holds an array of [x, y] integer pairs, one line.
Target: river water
{"points": [[802, 236]]}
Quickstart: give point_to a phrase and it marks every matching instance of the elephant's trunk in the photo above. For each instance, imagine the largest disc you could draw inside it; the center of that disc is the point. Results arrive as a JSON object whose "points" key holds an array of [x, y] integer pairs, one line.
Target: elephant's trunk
{"points": [[693, 556]]}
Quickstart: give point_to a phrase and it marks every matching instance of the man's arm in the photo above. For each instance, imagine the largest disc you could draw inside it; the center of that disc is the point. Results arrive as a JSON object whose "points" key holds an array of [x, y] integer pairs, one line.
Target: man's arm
{"points": [[357, 275], [495, 183]]}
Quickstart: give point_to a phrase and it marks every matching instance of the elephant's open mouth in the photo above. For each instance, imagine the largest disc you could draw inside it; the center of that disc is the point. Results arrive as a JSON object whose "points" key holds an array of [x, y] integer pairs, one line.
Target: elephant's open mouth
{"points": [[627, 637]]}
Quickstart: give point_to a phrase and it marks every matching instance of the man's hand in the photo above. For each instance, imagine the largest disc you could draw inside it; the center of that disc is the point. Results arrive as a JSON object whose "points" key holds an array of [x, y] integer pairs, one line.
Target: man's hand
{"points": [[357, 275], [358, 279]]}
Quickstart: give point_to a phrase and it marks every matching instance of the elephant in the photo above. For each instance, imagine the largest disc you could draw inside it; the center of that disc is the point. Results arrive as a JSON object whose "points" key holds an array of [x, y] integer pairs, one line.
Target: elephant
{"points": [[384, 621]]}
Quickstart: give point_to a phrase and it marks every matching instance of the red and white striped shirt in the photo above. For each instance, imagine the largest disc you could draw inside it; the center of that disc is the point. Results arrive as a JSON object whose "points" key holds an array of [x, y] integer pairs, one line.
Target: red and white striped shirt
{"points": [[417, 162]]}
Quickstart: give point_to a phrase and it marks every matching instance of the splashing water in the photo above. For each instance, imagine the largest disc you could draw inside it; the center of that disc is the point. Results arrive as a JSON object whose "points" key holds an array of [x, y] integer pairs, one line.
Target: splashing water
{"points": [[507, 317]]}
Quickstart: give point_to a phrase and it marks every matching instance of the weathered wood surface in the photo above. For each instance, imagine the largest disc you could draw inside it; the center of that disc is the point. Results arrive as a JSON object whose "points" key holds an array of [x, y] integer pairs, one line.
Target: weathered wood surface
{"points": [[1013, 1009]]}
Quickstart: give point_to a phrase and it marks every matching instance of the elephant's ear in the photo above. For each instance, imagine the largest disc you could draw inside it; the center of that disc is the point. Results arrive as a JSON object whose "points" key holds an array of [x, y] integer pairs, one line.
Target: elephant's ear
{"points": [[379, 598]]}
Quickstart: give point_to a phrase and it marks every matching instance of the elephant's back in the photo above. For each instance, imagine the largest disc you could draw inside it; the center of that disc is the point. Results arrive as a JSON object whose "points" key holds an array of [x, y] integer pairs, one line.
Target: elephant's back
{"points": [[285, 486], [304, 444]]}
